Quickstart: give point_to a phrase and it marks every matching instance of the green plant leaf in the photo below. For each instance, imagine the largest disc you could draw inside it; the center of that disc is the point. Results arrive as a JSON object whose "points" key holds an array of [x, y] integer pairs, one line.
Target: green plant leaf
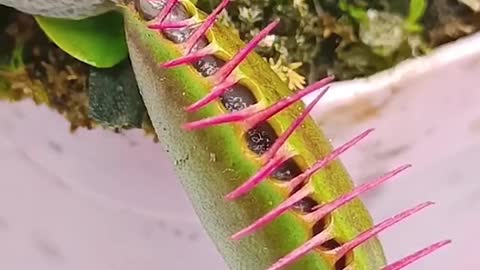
{"points": [[98, 41], [417, 10], [358, 13]]}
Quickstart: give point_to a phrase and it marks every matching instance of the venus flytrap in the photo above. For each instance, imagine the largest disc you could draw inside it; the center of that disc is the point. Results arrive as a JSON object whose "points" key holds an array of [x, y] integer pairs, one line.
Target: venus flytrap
{"points": [[210, 94]]}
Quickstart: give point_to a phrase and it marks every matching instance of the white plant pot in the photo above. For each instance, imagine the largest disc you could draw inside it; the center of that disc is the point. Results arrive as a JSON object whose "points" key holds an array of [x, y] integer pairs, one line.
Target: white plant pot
{"points": [[97, 200]]}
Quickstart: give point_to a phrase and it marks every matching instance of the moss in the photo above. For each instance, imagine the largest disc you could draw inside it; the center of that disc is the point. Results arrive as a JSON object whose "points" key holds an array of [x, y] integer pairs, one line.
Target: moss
{"points": [[32, 67], [349, 38], [35, 68]]}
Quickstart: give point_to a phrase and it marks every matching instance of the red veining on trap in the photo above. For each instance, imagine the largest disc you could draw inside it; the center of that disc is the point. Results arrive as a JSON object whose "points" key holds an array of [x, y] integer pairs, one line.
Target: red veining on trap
{"points": [[273, 159]]}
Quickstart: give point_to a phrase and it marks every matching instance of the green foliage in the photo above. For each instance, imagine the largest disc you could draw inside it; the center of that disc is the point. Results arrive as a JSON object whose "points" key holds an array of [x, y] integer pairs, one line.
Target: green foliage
{"points": [[16, 59], [98, 41], [10, 48], [358, 13], [417, 10], [321, 33], [4, 88]]}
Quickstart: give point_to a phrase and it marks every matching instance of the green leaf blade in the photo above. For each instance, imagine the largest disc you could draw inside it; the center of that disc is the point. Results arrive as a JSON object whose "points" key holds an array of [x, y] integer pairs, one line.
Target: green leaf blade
{"points": [[98, 41]]}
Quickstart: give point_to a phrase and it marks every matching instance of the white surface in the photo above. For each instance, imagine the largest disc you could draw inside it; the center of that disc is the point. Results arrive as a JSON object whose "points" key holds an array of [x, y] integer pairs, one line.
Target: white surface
{"points": [[95, 201]]}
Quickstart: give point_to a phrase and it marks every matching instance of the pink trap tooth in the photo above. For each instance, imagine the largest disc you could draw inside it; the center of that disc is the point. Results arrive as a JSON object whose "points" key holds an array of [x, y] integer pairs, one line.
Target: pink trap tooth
{"points": [[222, 78], [272, 158], [306, 190], [272, 215], [286, 102], [416, 256], [311, 244], [339, 252], [294, 126], [189, 58], [216, 92], [220, 89], [302, 193], [253, 115], [328, 159], [209, 21], [239, 116], [322, 210], [165, 11], [171, 25], [367, 235], [228, 68], [261, 175]]}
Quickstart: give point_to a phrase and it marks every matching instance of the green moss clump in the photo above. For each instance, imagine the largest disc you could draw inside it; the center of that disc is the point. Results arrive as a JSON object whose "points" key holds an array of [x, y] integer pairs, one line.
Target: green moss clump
{"points": [[349, 38], [33, 67]]}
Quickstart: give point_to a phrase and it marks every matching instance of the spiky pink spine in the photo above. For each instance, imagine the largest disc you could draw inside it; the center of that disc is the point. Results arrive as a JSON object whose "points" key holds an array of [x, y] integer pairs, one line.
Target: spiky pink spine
{"points": [[280, 142], [343, 249], [320, 211], [172, 25], [328, 159], [253, 115], [166, 10], [221, 78], [190, 58], [272, 158], [250, 184], [200, 32], [402, 263]]}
